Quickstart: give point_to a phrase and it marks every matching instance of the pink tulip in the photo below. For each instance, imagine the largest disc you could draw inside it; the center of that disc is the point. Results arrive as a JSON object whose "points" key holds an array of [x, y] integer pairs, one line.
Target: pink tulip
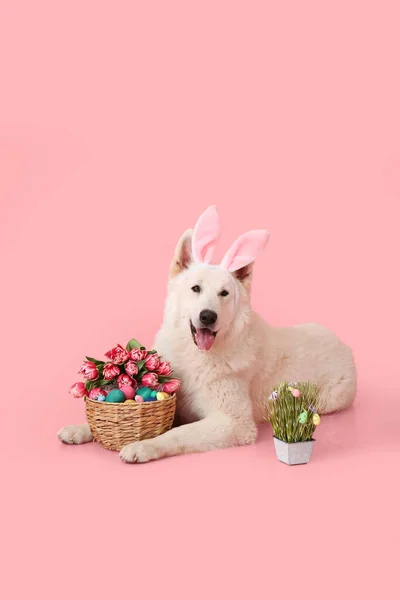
{"points": [[136, 354], [117, 355], [164, 369], [131, 368], [152, 362], [149, 380], [77, 390], [95, 392], [89, 370], [124, 380], [171, 386], [110, 371]]}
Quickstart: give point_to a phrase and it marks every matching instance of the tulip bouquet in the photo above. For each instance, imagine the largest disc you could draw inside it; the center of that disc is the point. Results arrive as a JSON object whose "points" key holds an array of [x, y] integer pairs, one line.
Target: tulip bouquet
{"points": [[129, 367], [292, 409]]}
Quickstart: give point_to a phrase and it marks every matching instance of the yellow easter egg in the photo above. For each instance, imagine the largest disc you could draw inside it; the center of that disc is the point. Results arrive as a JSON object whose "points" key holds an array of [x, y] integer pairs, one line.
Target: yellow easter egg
{"points": [[129, 402], [160, 396], [165, 395]]}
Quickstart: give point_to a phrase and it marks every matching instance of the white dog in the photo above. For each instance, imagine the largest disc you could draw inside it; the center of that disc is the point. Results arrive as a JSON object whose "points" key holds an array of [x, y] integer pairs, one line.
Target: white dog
{"points": [[226, 356]]}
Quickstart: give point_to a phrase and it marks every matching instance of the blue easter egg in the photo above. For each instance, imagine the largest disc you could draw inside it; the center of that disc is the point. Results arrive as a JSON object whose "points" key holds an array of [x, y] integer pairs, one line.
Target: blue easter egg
{"points": [[115, 396], [101, 398], [149, 399], [145, 392]]}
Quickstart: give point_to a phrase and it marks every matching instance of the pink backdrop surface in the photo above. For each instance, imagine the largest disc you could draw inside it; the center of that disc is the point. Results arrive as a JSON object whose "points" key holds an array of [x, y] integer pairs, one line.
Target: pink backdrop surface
{"points": [[119, 123]]}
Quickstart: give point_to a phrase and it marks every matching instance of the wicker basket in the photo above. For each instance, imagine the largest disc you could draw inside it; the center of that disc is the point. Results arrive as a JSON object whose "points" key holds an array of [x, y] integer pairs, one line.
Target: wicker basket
{"points": [[114, 425]]}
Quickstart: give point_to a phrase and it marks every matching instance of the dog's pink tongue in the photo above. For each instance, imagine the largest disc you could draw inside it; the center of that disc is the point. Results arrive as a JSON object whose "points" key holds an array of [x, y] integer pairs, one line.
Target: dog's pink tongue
{"points": [[204, 339]]}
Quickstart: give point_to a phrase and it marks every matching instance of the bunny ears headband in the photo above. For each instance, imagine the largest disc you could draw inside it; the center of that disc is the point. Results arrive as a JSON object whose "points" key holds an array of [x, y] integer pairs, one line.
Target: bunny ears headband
{"points": [[242, 252]]}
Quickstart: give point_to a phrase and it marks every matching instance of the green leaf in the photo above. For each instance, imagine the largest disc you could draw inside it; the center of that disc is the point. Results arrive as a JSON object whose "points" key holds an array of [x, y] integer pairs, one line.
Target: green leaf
{"points": [[102, 382], [284, 411], [89, 385], [95, 361], [152, 352], [164, 378], [140, 364], [133, 344]]}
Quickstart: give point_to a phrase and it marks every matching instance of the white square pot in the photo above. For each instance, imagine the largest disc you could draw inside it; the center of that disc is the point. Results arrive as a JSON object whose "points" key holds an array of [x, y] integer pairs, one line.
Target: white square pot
{"points": [[297, 453]]}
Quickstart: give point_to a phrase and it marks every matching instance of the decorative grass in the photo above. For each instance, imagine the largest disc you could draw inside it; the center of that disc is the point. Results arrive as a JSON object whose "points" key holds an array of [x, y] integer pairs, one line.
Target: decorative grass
{"points": [[292, 409]]}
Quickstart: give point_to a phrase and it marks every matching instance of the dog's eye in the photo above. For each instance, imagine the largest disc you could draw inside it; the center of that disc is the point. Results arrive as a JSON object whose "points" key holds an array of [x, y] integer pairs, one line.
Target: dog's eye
{"points": [[224, 293], [196, 289]]}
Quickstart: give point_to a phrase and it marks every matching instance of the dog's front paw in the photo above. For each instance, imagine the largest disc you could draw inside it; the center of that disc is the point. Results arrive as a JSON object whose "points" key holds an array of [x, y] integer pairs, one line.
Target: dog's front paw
{"points": [[75, 434], [139, 452]]}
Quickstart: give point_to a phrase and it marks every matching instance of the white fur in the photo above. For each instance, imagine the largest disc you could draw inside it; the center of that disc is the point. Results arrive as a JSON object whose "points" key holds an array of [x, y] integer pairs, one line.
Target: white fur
{"points": [[75, 434], [223, 389]]}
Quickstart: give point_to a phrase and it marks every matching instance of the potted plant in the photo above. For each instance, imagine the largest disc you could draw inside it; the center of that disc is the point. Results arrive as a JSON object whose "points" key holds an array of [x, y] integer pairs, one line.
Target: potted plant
{"points": [[292, 409]]}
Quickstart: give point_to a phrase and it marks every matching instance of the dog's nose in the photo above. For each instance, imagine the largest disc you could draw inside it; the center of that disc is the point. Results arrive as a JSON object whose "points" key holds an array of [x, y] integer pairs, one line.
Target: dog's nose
{"points": [[208, 317]]}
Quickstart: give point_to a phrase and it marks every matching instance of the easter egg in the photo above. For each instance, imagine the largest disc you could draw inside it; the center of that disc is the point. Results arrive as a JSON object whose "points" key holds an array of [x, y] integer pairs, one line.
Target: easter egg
{"points": [[129, 401], [153, 394], [101, 398], [139, 398], [128, 392], [145, 392], [149, 399], [115, 396], [160, 396], [166, 395], [303, 417]]}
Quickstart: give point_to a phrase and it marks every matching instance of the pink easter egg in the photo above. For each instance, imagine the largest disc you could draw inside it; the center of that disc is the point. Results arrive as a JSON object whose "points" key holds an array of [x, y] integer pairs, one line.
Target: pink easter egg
{"points": [[295, 393], [128, 392], [139, 398]]}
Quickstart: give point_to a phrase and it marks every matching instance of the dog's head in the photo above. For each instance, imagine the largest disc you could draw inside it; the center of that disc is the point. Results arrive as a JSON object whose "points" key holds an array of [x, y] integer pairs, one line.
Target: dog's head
{"points": [[208, 297]]}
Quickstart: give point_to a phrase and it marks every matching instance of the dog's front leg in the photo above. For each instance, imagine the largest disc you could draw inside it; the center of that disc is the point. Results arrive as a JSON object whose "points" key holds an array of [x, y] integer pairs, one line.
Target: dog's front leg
{"points": [[75, 434], [217, 430]]}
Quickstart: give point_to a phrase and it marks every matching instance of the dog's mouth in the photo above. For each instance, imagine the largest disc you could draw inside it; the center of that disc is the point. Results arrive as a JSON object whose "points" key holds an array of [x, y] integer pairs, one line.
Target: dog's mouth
{"points": [[203, 338]]}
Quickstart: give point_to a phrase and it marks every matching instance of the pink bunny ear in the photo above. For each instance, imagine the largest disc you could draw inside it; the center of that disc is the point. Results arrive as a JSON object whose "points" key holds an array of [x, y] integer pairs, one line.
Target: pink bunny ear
{"points": [[205, 236], [245, 249]]}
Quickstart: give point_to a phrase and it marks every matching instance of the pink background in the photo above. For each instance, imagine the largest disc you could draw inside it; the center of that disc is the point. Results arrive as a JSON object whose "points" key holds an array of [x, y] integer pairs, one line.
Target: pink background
{"points": [[119, 123]]}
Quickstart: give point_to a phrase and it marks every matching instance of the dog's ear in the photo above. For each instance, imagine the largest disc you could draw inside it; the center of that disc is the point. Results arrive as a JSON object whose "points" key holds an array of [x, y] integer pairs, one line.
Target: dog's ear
{"points": [[245, 250], [183, 254], [244, 275]]}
